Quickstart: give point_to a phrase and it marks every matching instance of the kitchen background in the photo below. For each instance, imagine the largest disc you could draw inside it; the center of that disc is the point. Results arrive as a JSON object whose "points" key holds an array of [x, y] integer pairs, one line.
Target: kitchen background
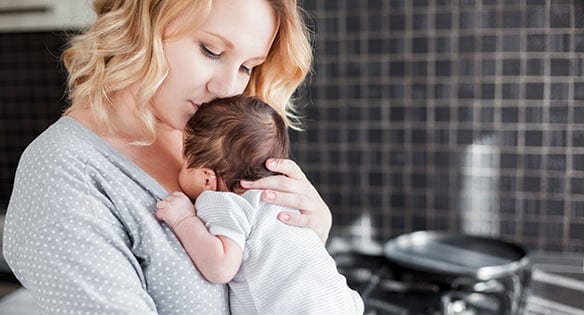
{"points": [[445, 115], [449, 115]]}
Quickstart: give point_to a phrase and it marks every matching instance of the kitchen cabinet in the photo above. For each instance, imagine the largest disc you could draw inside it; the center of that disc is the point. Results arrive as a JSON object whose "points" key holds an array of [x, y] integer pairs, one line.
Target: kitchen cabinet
{"points": [[44, 15]]}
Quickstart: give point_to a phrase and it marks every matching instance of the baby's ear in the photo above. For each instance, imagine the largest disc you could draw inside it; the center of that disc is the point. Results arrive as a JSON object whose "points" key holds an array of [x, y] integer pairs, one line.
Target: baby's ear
{"points": [[210, 179]]}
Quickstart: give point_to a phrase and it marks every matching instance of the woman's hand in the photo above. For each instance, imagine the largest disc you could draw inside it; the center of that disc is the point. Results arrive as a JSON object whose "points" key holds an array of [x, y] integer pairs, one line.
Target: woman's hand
{"points": [[294, 190]]}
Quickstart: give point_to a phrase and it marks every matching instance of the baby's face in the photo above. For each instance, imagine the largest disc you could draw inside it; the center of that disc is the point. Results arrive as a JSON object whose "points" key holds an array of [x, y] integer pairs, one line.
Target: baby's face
{"points": [[193, 181]]}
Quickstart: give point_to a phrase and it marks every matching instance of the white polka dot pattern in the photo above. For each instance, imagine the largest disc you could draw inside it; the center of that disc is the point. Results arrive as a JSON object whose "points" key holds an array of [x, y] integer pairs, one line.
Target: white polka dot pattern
{"points": [[81, 235]]}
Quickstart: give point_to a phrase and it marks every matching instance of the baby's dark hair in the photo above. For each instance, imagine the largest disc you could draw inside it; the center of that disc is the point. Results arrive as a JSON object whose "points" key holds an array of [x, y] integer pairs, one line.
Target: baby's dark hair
{"points": [[234, 137]]}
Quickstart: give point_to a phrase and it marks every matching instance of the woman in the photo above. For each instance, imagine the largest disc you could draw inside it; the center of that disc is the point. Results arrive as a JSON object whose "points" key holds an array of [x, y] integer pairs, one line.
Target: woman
{"points": [[80, 230]]}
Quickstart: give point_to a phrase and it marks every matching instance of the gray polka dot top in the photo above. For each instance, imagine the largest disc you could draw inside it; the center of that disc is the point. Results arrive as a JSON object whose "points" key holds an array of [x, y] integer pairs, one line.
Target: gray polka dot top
{"points": [[81, 235]]}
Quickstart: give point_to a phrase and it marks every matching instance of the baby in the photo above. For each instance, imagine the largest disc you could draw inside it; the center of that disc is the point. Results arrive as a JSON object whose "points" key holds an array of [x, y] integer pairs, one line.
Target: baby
{"points": [[233, 236]]}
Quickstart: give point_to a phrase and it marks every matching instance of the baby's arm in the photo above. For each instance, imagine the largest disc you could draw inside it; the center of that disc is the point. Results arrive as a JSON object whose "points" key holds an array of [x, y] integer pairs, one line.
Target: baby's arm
{"points": [[217, 257]]}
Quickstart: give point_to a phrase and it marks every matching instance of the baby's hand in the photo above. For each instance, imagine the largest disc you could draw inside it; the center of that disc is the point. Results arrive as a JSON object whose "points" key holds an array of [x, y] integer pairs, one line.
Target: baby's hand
{"points": [[175, 208]]}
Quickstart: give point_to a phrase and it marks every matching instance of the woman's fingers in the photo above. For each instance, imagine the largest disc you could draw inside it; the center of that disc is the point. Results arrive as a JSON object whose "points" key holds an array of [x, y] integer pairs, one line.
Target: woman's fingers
{"points": [[295, 219], [286, 167], [314, 212], [290, 200], [294, 190], [289, 192], [278, 182]]}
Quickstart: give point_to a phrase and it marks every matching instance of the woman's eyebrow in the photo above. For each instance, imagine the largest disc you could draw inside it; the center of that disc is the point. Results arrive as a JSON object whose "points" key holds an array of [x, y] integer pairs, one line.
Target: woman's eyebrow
{"points": [[226, 41]]}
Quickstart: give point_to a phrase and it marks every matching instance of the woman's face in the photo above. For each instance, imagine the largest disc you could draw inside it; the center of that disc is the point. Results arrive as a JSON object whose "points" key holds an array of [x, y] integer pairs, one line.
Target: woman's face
{"points": [[215, 60]]}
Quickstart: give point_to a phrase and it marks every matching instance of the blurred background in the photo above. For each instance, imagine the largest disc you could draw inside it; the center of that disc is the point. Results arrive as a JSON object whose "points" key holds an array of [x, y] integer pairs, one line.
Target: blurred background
{"points": [[449, 115], [463, 115]]}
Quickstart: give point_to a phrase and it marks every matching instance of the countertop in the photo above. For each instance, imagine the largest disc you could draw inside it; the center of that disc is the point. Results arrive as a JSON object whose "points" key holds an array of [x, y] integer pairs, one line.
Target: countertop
{"points": [[557, 284]]}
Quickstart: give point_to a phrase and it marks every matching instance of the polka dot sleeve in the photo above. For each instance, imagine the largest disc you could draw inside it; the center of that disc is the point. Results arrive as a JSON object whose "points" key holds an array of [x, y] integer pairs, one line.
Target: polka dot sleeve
{"points": [[81, 236]]}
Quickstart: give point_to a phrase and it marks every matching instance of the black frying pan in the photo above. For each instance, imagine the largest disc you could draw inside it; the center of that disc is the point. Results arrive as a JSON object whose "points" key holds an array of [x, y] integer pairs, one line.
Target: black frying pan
{"points": [[454, 254]]}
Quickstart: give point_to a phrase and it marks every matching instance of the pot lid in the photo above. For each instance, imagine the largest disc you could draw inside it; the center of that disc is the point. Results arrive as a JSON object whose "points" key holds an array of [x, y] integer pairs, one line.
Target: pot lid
{"points": [[456, 254]]}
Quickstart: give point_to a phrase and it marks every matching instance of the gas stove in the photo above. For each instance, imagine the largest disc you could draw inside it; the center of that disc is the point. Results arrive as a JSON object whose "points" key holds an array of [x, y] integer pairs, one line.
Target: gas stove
{"points": [[388, 289]]}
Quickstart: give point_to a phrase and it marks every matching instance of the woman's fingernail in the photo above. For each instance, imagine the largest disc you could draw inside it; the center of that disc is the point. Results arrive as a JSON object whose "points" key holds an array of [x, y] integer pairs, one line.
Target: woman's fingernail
{"points": [[270, 195], [284, 217], [272, 163], [246, 183]]}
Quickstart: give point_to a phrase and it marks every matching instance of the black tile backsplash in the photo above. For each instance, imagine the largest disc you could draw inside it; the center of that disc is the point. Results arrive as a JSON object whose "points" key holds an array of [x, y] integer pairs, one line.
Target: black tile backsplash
{"points": [[32, 86], [462, 115]]}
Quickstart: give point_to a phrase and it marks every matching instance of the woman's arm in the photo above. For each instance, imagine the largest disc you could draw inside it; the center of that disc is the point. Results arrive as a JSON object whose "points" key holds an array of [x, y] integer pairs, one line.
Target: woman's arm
{"points": [[74, 263], [295, 191], [62, 239], [217, 257]]}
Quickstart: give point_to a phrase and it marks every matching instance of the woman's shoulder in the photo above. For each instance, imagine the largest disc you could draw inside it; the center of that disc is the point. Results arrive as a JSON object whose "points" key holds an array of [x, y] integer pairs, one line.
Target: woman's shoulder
{"points": [[61, 153], [66, 139]]}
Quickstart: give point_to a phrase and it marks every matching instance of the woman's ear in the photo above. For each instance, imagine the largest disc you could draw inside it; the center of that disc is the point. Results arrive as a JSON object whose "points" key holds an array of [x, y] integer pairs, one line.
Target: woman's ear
{"points": [[210, 179]]}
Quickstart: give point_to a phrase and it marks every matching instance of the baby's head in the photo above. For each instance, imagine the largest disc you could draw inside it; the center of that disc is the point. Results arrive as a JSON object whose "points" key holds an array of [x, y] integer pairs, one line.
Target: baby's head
{"points": [[228, 140]]}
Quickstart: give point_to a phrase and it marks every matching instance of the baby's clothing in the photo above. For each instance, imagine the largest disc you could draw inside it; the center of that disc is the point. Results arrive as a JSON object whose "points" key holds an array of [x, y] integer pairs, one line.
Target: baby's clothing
{"points": [[285, 269]]}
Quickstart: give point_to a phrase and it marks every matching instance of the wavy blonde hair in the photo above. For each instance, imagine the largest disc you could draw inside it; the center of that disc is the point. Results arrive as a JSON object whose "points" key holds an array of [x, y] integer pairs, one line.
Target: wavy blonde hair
{"points": [[124, 47]]}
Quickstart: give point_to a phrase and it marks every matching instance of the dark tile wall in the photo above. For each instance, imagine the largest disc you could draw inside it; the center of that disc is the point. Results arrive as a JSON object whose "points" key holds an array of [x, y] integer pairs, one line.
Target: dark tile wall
{"points": [[32, 86], [450, 115]]}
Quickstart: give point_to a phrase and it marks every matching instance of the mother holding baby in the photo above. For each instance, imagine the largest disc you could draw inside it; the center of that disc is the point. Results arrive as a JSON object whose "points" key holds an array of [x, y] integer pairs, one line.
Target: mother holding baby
{"points": [[80, 230]]}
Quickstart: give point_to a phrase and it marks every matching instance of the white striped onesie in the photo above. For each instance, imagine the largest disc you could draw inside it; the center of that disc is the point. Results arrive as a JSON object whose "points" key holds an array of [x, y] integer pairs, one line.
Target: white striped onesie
{"points": [[285, 269]]}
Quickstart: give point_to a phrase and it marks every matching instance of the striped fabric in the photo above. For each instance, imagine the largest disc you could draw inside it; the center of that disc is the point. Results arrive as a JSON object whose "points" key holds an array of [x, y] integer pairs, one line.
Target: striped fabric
{"points": [[285, 269]]}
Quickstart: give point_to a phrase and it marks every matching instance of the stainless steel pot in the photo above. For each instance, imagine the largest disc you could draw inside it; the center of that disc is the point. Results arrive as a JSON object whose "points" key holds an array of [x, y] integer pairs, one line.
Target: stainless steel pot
{"points": [[463, 263]]}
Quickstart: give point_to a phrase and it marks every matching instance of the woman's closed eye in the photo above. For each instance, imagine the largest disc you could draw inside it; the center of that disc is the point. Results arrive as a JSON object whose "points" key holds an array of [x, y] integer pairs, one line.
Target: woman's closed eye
{"points": [[246, 70], [215, 56], [209, 53]]}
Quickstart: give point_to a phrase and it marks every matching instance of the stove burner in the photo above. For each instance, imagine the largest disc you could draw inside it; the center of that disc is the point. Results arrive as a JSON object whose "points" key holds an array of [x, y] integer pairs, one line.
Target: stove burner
{"points": [[456, 303], [387, 289]]}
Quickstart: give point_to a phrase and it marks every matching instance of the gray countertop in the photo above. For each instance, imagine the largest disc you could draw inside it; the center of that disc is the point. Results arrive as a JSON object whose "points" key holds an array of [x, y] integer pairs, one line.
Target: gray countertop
{"points": [[557, 284]]}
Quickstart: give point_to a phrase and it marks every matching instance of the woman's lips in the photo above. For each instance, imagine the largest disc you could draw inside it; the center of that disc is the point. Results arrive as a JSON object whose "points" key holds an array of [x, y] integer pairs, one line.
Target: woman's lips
{"points": [[195, 105]]}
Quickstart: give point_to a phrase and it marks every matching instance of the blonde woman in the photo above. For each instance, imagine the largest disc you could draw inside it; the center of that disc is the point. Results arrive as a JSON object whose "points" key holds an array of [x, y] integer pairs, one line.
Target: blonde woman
{"points": [[80, 233]]}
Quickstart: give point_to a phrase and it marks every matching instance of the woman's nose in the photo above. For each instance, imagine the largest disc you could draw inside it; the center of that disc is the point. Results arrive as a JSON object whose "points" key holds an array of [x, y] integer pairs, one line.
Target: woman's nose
{"points": [[226, 84]]}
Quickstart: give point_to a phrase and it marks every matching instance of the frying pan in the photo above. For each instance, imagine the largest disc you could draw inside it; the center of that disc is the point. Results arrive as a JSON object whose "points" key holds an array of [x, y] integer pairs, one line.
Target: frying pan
{"points": [[453, 254]]}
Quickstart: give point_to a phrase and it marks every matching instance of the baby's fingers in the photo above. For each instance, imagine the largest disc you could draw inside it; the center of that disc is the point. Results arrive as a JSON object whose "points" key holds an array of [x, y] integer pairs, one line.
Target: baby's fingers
{"points": [[179, 194], [160, 215], [162, 204]]}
